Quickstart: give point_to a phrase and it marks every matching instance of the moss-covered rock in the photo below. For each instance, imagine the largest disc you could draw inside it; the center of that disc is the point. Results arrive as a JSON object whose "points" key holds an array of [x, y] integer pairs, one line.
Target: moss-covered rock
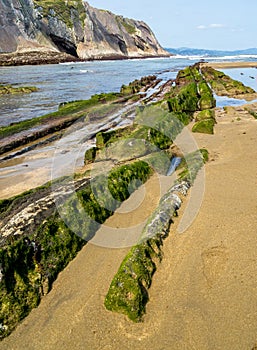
{"points": [[128, 291], [207, 100], [205, 126], [191, 92], [205, 114], [186, 100], [191, 164], [138, 85], [222, 84], [104, 138], [253, 113], [188, 75], [90, 155], [30, 264], [10, 89], [73, 110]]}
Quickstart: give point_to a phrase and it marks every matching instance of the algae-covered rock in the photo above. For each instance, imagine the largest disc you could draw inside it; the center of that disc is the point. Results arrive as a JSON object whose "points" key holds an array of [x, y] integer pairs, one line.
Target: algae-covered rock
{"points": [[205, 126], [205, 114], [128, 292], [30, 262], [104, 138], [186, 100], [191, 165], [90, 155], [138, 85], [10, 89], [223, 85], [191, 92], [189, 75], [207, 100]]}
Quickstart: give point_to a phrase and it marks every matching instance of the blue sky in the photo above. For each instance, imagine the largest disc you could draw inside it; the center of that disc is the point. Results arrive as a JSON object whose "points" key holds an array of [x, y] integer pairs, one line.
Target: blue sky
{"points": [[209, 24]]}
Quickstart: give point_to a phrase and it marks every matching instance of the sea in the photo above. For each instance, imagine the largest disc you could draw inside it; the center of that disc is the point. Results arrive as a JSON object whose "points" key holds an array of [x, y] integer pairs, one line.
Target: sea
{"points": [[59, 83]]}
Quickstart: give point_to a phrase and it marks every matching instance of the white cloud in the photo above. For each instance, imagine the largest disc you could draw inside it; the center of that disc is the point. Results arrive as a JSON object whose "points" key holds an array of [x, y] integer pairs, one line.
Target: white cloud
{"points": [[201, 27], [217, 25], [212, 25]]}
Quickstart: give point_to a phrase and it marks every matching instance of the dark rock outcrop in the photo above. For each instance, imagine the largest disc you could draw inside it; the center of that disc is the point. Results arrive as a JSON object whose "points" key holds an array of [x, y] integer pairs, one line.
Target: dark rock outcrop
{"points": [[75, 28]]}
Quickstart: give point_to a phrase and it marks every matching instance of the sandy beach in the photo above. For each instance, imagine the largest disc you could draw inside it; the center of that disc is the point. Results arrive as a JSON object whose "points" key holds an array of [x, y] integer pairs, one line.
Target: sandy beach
{"points": [[230, 64], [204, 293]]}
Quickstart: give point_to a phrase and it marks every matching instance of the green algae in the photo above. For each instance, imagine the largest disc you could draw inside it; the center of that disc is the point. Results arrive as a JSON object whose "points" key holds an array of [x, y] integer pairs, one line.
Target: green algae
{"points": [[186, 100], [253, 113], [128, 291], [30, 264], [10, 89], [223, 85], [205, 114], [137, 85], [90, 155], [207, 100], [205, 126], [75, 109], [191, 164], [191, 92]]}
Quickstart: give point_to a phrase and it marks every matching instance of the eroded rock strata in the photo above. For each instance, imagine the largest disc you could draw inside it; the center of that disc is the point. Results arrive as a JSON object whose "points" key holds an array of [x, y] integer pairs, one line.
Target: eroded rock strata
{"points": [[37, 243], [73, 28]]}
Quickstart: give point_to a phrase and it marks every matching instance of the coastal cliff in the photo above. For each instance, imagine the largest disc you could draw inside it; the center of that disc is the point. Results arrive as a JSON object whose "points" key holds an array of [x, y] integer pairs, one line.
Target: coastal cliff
{"points": [[74, 28]]}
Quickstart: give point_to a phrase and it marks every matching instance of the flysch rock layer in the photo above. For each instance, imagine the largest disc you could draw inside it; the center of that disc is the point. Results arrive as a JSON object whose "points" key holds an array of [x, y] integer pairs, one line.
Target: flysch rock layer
{"points": [[75, 28]]}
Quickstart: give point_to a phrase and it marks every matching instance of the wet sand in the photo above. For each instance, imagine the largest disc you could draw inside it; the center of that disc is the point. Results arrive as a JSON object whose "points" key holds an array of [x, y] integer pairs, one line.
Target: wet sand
{"points": [[230, 64], [204, 293]]}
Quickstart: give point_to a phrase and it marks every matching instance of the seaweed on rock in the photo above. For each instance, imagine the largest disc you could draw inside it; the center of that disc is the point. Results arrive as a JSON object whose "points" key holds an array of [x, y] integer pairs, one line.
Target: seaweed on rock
{"points": [[128, 292], [29, 264], [191, 92], [205, 126], [222, 84]]}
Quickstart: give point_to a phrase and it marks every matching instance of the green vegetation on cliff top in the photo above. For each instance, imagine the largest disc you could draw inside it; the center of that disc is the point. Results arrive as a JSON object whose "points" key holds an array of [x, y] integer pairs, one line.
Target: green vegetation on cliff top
{"points": [[127, 24], [62, 9]]}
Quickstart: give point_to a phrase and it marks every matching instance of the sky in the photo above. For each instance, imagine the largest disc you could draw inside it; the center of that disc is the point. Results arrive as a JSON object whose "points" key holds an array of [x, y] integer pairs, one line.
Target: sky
{"points": [[207, 24]]}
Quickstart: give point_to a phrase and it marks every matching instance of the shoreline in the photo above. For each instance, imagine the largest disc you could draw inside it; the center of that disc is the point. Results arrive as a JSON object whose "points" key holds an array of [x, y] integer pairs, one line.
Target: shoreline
{"points": [[41, 57], [222, 146]]}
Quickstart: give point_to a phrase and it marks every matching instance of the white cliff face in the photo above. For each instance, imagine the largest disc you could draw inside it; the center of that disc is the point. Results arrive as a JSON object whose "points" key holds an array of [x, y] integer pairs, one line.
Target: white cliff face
{"points": [[82, 31]]}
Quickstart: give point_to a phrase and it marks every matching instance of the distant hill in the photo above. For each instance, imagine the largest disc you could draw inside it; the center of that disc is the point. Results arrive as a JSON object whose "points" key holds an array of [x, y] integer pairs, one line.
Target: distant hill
{"points": [[186, 51]]}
